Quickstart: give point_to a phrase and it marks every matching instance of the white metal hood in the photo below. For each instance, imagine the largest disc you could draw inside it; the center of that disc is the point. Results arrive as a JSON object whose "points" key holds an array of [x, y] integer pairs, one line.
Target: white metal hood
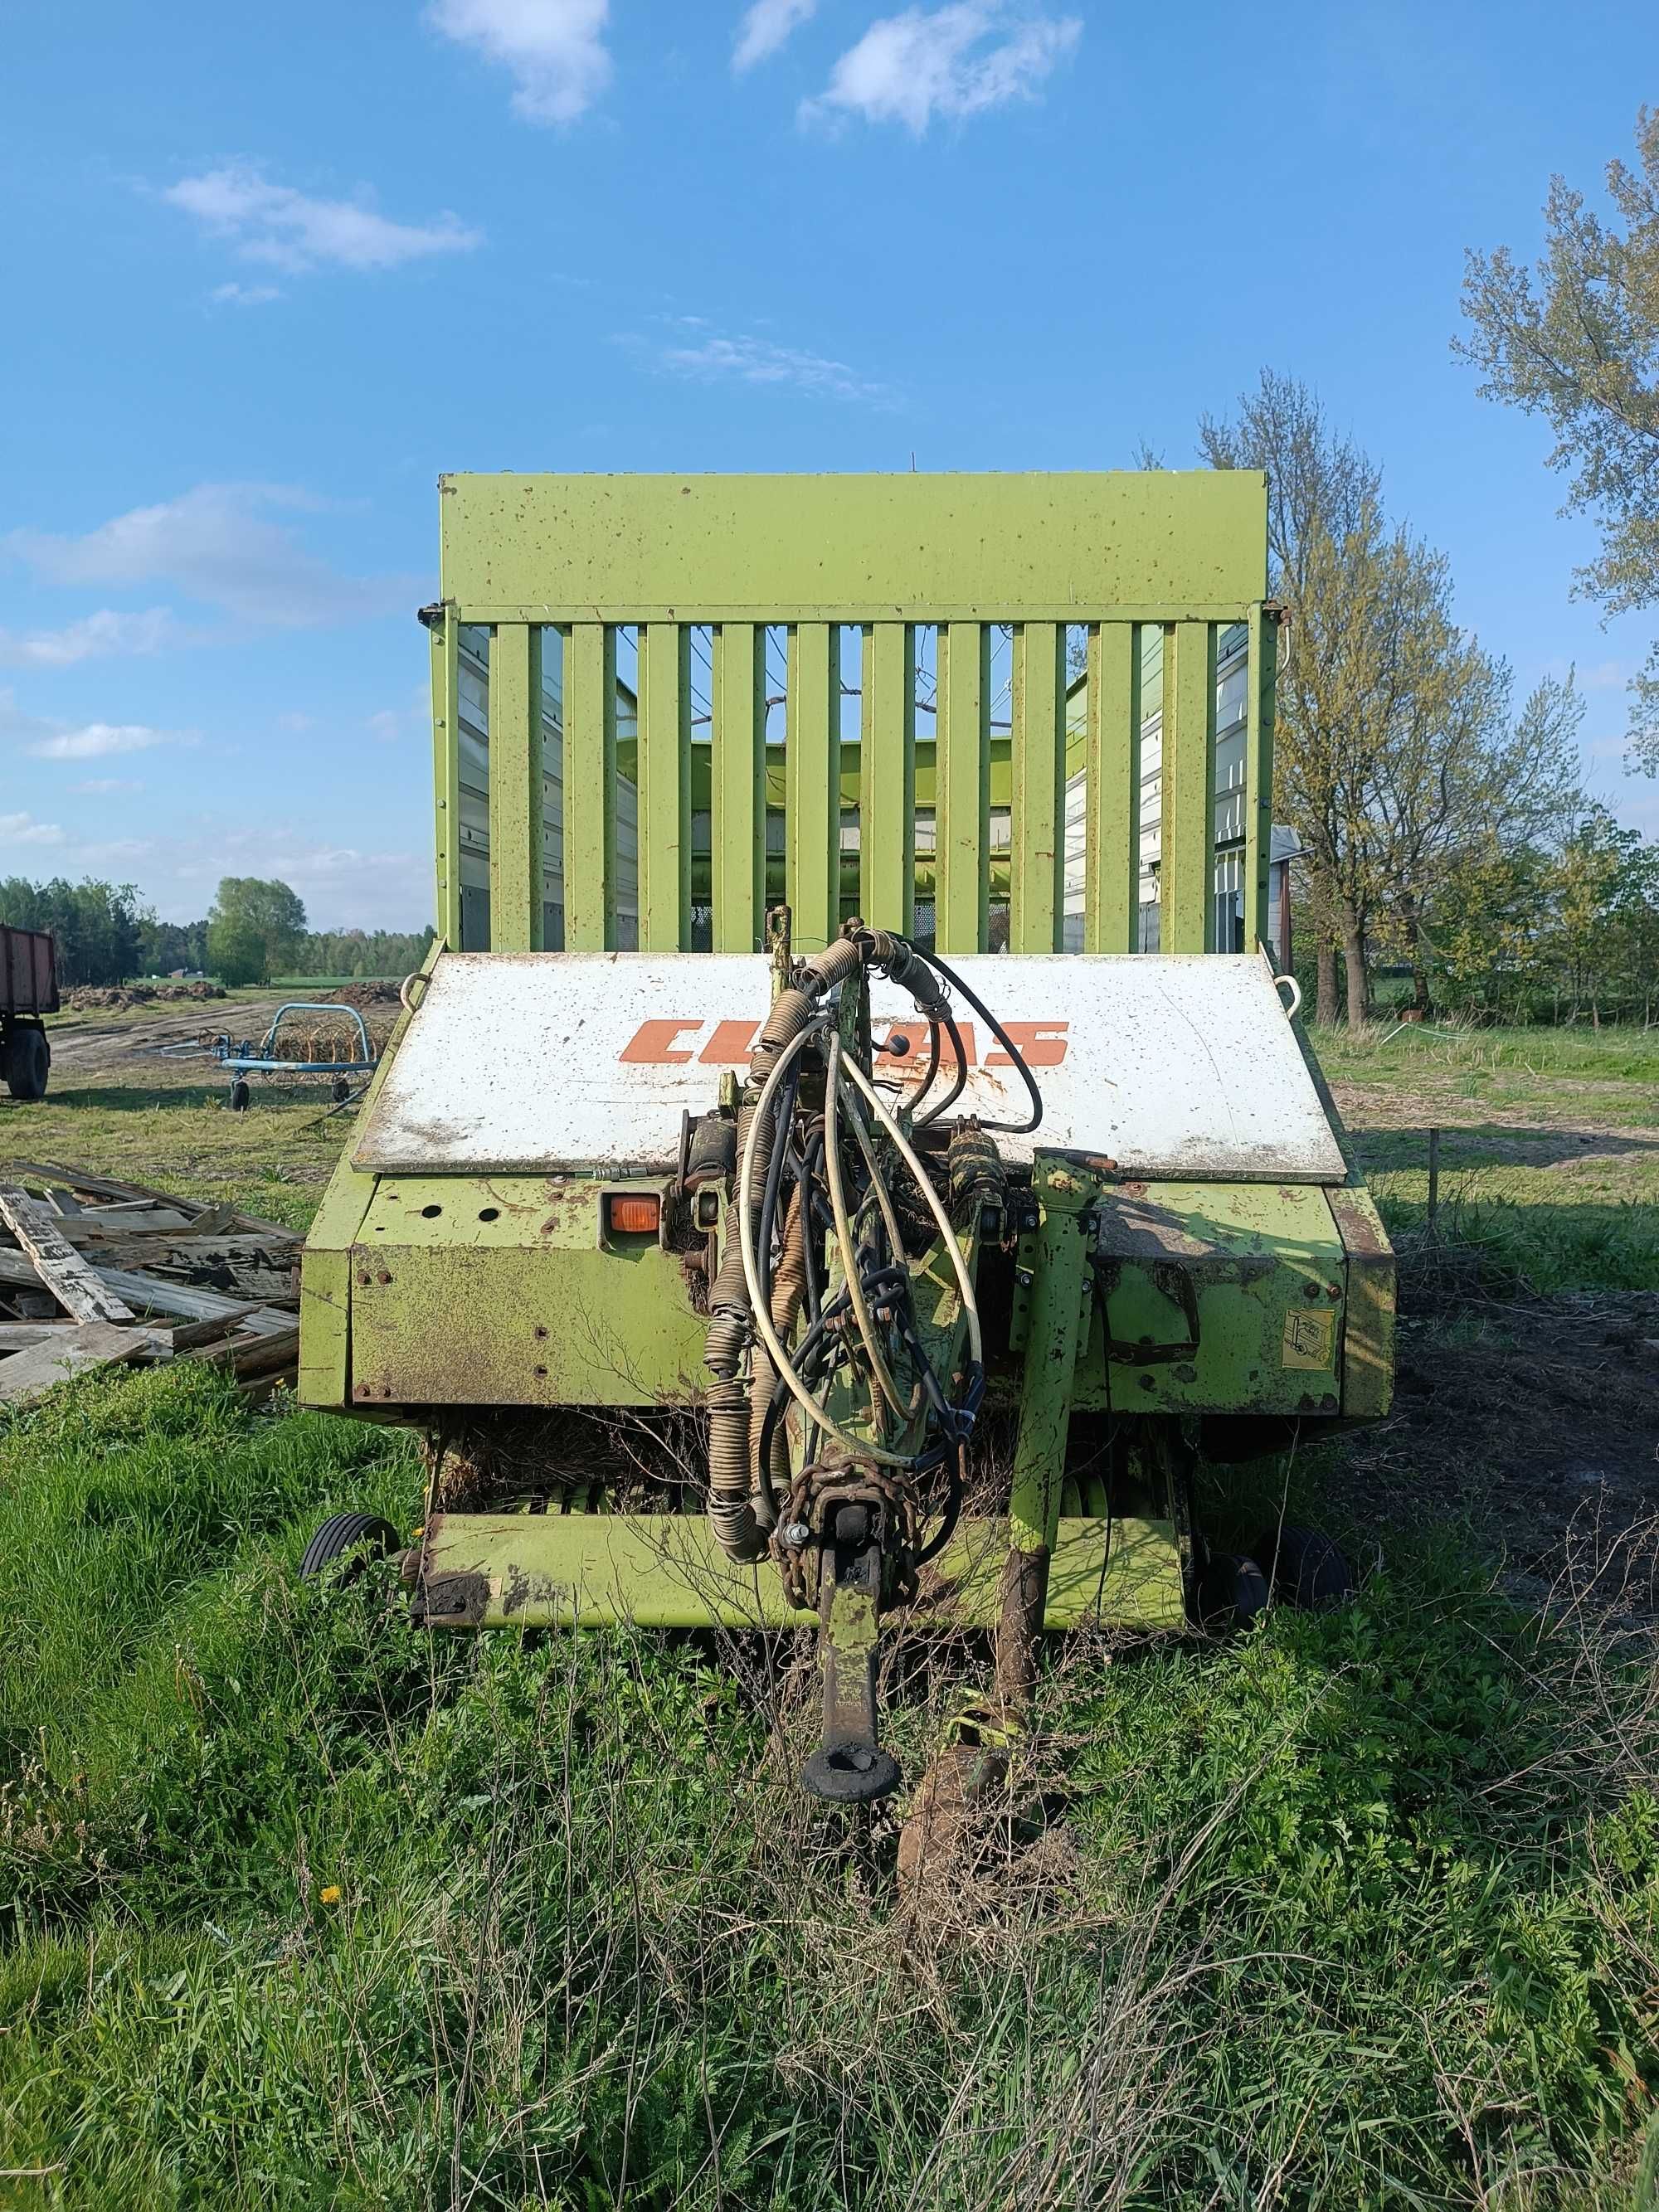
{"points": [[1175, 1066]]}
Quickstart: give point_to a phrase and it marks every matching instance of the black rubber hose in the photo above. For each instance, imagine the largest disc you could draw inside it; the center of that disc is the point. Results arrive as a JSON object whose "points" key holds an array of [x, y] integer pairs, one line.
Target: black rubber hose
{"points": [[780, 1127], [1009, 1128], [961, 1082]]}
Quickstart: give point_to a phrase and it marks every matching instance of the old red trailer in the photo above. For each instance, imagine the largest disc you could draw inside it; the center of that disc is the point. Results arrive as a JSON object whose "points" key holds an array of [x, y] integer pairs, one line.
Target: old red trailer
{"points": [[28, 990]]}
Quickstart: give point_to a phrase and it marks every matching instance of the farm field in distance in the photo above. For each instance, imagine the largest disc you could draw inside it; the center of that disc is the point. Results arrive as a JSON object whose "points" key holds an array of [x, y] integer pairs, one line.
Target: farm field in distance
{"points": [[300, 1907]]}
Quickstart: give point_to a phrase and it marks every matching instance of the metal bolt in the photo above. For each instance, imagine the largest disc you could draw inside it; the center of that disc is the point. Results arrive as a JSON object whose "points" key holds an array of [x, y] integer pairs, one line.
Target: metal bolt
{"points": [[1024, 1277], [797, 1535], [1310, 1291], [541, 1329], [383, 1277]]}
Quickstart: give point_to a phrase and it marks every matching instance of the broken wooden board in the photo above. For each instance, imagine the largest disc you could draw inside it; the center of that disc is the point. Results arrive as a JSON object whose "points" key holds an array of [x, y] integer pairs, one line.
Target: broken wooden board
{"points": [[95, 1344], [76, 1287], [26, 1335]]}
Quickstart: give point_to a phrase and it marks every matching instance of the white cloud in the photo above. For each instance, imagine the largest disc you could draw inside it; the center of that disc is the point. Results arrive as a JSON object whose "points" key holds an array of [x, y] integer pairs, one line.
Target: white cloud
{"points": [[93, 637], [1605, 676], [748, 360], [24, 830], [103, 787], [387, 726], [289, 229], [219, 543], [950, 61], [554, 48], [97, 740], [766, 26], [244, 295]]}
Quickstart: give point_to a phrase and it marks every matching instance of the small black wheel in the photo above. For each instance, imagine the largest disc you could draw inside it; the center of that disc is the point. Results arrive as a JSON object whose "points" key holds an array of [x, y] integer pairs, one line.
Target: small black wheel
{"points": [[1231, 1592], [28, 1058], [356, 1537], [239, 1096], [1308, 1569]]}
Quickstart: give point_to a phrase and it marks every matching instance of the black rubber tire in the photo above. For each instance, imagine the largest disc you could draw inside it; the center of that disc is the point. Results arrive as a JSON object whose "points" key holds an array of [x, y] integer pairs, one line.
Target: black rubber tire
{"points": [[28, 1061], [1231, 1592], [357, 1537], [1307, 1569], [239, 1095]]}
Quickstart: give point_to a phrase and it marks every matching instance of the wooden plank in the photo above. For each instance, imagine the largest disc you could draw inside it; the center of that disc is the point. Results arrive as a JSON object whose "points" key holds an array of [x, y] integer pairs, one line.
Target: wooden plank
{"points": [[24, 1335], [96, 1186], [186, 1335], [1111, 881], [962, 787], [1261, 679], [1038, 856], [811, 771], [106, 1223], [149, 1292], [887, 778], [1186, 893], [56, 1262], [446, 772], [738, 779], [590, 788], [516, 788], [665, 772], [95, 1344]]}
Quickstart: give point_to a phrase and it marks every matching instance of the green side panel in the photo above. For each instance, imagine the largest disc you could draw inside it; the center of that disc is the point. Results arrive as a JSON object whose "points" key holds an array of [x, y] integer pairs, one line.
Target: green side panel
{"points": [[482, 1570], [886, 795], [1037, 852], [736, 797], [325, 1270], [665, 774], [1053, 1327], [963, 780], [812, 784], [1369, 1327], [446, 643], [590, 788], [1264, 1265], [498, 1291], [1187, 856], [1111, 883], [868, 549], [1263, 679], [516, 788]]}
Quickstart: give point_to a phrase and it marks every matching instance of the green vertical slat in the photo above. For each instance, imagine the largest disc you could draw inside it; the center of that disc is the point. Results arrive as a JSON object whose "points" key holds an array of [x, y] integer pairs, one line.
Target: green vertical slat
{"points": [[516, 788], [1111, 883], [1038, 846], [445, 638], [812, 829], [665, 722], [590, 788], [1187, 857], [887, 778], [1261, 679], [738, 779], [963, 786]]}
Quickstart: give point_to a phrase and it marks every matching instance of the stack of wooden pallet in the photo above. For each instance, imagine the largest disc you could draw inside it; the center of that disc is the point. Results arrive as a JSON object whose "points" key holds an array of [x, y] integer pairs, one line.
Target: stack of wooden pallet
{"points": [[95, 1272]]}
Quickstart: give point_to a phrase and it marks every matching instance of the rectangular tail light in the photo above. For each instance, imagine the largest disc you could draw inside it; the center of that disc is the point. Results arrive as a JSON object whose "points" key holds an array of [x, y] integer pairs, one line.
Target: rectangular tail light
{"points": [[632, 1213]]}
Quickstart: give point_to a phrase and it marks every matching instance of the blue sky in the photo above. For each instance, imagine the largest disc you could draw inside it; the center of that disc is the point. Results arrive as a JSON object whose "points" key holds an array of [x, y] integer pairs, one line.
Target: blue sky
{"points": [[273, 270]]}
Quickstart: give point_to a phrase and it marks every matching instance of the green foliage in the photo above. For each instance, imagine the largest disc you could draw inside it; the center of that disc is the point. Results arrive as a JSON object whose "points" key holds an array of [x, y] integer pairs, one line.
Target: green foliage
{"points": [[1582, 349], [254, 924], [309, 1908], [99, 927]]}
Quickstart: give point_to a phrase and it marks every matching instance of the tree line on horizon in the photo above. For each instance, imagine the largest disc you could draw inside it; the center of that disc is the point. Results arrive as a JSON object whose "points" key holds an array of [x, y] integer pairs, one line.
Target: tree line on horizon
{"points": [[255, 930]]}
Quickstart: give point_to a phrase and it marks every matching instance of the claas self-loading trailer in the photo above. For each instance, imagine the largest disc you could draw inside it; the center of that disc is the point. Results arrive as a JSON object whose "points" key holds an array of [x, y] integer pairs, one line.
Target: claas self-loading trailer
{"points": [[757, 1246]]}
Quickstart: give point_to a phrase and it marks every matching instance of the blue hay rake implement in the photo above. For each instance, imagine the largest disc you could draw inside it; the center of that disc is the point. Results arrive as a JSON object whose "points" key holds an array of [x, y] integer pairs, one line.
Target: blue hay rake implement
{"points": [[350, 1075]]}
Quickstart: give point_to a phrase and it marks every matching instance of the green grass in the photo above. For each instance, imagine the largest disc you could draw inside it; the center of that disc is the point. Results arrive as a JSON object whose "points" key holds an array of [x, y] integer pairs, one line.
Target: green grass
{"points": [[1359, 1911], [1549, 1157]]}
